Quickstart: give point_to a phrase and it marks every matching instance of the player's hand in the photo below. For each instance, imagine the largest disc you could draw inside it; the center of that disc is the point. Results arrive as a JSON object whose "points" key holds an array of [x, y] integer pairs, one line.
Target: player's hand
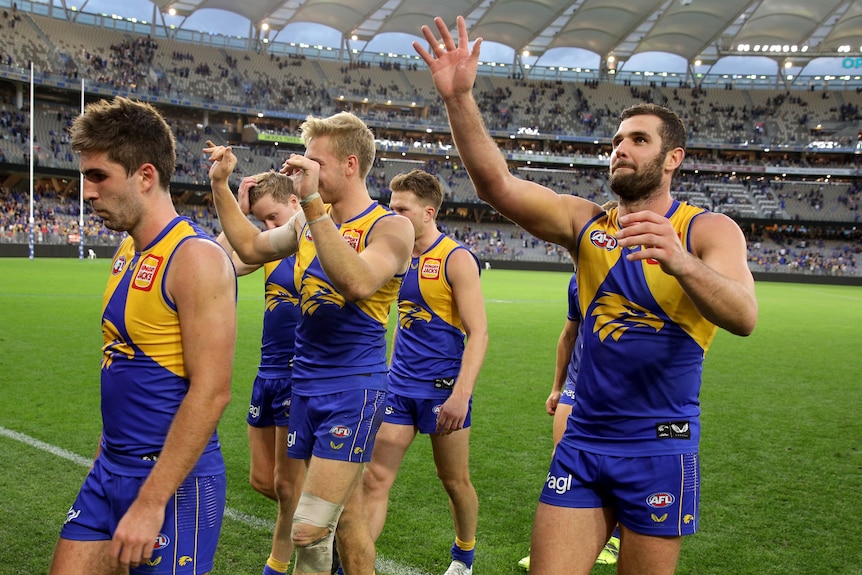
{"points": [[223, 162], [552, 402], [245, 186], [135, 536], [453, 66], [657, 240], [305, 174], [453, 413]]}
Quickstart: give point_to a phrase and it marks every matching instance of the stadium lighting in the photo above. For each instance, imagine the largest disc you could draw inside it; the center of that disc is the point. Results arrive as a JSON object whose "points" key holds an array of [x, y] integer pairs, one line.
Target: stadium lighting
{"points": [[172, 11], [525, 53], [698, 62], [264, 26]]}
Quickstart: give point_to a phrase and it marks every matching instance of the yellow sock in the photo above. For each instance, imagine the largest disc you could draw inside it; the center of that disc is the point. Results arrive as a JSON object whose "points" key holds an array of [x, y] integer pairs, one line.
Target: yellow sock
{"points": [[277, 565], [465, 545]]}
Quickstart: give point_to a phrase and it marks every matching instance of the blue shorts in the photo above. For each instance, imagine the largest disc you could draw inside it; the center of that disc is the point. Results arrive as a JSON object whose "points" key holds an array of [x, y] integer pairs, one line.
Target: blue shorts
{"points": [[186, 543], [420, 413], [340, 426], [568, 395], [270, 402], [654, 495]]}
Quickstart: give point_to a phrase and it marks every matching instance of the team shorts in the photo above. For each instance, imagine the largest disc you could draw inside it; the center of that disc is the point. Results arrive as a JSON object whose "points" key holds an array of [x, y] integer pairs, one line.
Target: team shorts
{"points": [[340, 426], [653, 495], [421, 413], [568, 395], [270, 402], [186, 543]]}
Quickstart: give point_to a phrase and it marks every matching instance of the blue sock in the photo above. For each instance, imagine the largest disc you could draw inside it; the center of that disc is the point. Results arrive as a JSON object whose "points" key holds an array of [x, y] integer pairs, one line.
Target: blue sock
{"points": [[464, 551], [267, 570]]}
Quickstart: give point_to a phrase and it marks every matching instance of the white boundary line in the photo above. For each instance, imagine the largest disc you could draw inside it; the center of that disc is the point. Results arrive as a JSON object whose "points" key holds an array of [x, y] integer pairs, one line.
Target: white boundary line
{"points": [[384, 565]]}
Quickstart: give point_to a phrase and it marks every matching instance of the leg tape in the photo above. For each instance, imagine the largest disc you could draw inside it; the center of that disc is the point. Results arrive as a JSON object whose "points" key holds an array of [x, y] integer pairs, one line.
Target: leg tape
{"points": [[311, 510]]}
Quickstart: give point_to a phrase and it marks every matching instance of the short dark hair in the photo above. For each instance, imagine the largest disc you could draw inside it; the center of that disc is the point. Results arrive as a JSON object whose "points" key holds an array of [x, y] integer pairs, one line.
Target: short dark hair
{"points": [[426, 187], [276, 184], [131, 133], [672, 130]]}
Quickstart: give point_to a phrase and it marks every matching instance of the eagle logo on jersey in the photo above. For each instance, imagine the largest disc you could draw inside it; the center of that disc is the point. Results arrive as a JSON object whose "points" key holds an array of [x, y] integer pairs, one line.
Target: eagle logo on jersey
{"points": [[316, 293], [616, 315], [282, 296], [117, 347], [408, 312]]}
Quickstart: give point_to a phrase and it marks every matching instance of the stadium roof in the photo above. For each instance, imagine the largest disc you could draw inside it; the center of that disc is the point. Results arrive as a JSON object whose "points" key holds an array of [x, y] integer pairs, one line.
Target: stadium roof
{"points": [[703, 30]]}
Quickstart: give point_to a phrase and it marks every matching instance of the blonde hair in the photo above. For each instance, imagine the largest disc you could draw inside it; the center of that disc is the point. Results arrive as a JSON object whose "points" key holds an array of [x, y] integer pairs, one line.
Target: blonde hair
{"points": [[276, 184], [348, 136]]}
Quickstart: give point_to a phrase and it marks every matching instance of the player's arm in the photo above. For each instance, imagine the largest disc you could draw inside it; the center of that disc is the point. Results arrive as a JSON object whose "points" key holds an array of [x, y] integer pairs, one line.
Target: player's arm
{"points": [[715, 276], [539, 210], [565, 347], [202, 285], [251, 244], [355, 275], [463, 274], [242, 268]]}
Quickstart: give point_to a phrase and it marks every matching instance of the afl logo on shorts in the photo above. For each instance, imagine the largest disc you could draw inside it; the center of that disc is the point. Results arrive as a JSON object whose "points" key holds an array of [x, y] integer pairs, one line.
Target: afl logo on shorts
{"points": [[340, 431], [660, 500], [602, 239], [436, 409], [162, 541]]}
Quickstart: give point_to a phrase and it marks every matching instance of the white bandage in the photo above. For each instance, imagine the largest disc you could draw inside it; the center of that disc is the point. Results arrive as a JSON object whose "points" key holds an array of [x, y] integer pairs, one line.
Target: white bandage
{"points": [[317, 555], [282, 239]]}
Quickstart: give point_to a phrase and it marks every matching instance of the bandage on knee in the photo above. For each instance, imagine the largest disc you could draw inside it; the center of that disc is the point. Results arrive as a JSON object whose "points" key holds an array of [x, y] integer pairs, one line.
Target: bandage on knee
{"points": [[317, 555]]}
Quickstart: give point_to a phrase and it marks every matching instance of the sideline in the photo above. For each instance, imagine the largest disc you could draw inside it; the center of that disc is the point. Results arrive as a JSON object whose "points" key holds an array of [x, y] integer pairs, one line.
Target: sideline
{"points": [[384, 565]]}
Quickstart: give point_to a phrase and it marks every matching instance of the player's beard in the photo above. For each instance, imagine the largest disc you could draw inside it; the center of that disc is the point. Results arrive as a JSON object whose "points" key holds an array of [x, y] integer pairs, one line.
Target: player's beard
{"points": [[640, 183]]}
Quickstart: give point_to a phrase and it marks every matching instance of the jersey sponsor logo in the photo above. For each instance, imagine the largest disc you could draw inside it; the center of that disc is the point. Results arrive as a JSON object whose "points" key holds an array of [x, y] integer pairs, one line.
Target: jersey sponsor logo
{"points": [[291, 439], [162, 541], [660, 500], [336, 446], [147, 270], [673, 430], [153, 562], [658, 518], [560, 484], [118, 266], [254, 411], [340, 431], [431, 269], [615, 315], [353, 238], [185, 560], [602, 239]]}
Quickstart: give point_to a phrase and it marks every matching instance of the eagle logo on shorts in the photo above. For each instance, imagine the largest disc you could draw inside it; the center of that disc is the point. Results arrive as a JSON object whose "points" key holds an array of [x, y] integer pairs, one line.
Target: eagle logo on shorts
{"points": [[615, 315], [185, 560], [316, 292], [409, 312]]}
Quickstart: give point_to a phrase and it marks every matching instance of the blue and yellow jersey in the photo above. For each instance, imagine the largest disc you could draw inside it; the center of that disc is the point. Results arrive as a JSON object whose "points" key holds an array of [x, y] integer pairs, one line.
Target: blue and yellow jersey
{"points": [[575, 315], [639, 378], [143, 373], [336, 338], [429, 339], [280, 316]]}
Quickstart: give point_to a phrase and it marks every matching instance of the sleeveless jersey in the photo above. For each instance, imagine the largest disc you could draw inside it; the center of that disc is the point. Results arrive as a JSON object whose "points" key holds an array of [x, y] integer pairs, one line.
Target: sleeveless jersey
{"points": [[143, 374], [429, 339], [639, 378], [575, 315], [336, 338], [280, 316]]}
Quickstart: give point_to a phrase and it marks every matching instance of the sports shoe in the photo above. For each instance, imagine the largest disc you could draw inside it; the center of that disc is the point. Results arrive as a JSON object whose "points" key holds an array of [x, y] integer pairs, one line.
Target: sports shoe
{"points": [[524, 563], [609, 554], [458, 568]]}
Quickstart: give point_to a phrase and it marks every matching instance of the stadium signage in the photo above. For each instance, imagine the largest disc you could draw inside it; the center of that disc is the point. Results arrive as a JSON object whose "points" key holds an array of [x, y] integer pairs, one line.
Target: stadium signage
{"points": [[280, 138], [852, 62]]}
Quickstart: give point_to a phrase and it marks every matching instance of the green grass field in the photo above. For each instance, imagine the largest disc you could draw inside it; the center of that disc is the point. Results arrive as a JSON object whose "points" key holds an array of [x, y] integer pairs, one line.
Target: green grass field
{"points": [[781, 453]]}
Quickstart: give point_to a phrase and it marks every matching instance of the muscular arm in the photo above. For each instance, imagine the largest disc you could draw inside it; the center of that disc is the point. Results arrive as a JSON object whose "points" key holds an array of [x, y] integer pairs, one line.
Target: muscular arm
{"points": [[242, 268], [565, 347], [467, 295], [715, 277], [202, 284], [252, 245], [357, 276], [539, 210]]}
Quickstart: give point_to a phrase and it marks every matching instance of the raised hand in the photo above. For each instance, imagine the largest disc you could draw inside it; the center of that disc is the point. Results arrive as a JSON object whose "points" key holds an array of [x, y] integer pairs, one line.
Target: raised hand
{"points": [[223, 161], [453, 66]]}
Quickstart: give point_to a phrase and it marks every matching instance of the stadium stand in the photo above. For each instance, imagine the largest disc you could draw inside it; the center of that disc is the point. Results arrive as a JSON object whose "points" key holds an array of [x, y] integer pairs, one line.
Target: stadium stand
{"points": [[756, 154]]}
